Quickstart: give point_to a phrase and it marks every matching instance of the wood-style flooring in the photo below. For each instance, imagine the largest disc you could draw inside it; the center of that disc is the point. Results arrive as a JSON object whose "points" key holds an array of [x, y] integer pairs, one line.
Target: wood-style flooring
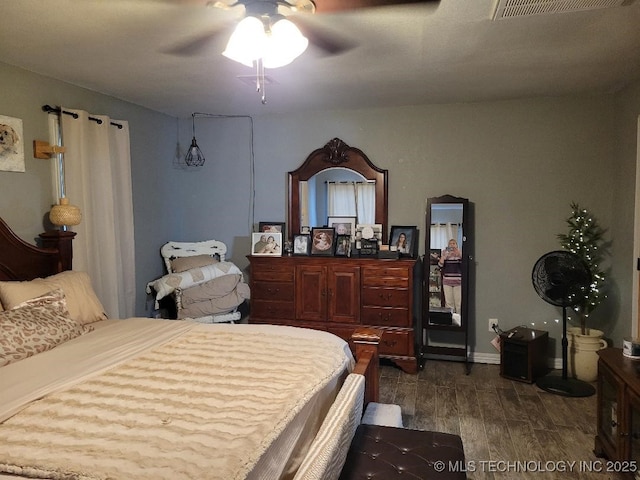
{"points": [[510, 430]]}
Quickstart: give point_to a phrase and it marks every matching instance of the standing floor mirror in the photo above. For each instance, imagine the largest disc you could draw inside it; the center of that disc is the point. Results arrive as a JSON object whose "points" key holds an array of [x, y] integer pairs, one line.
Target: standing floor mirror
{"points": [[446, 279]]}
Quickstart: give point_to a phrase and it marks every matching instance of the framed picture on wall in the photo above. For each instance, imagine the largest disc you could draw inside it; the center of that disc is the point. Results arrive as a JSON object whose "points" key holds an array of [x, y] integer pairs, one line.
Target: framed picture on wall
{"points": [[301, 244], [11, 144], [322, 241], [404, 240], [266, 243]]}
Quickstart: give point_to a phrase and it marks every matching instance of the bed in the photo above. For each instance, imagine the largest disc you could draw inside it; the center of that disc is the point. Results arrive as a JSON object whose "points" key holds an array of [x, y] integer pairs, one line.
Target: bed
{"points": [[200, 284], [145, 398]]}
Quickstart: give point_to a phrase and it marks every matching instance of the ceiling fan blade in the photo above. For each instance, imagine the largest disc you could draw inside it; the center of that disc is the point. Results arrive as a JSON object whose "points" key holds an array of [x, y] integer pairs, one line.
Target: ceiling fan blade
{"points": [[197, 44], [325, 6], [326, 40], [194, 45]]}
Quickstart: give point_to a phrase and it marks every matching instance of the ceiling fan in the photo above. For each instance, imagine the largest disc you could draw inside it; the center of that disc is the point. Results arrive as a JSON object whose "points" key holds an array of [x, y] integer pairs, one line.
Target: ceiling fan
{"points": [[270, 11]]}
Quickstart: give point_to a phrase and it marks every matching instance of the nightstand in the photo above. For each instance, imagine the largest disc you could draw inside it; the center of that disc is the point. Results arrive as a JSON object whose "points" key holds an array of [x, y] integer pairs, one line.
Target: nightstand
{"points": [[523, 354]]}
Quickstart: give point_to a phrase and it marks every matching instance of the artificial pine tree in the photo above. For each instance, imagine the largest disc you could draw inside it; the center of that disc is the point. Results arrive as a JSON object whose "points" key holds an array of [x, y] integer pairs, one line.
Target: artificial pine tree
{"points": [[585, 239]]}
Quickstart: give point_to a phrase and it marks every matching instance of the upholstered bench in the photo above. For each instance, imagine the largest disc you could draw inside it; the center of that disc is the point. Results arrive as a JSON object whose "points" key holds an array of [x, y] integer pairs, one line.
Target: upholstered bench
{"points": [[346, 448], [388, 453]]}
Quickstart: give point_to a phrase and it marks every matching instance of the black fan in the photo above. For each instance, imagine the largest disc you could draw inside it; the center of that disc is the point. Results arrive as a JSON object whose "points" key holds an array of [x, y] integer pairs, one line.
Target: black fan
{"points": [[562, 278]]}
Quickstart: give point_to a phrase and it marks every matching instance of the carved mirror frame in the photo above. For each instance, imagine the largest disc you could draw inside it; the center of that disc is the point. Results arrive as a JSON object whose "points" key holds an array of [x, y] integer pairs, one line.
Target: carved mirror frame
{"points": [[337, 153]]}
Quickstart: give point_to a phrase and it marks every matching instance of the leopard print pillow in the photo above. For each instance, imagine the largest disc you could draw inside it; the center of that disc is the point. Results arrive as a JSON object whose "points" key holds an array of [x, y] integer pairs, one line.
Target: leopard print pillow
{"points": [[35, 326]]}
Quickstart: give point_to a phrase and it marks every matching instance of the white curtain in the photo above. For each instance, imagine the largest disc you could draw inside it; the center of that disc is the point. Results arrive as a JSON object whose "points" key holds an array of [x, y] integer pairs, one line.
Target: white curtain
{"points": [[352, 199], [366, 203], [441, 233], [97, 165], [304, 204]]}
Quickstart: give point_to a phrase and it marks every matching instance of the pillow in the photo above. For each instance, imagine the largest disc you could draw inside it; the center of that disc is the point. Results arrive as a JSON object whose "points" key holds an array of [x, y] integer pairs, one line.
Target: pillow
{"points": [[33, 328], [53, 300], [82, 302], [182, 264]]}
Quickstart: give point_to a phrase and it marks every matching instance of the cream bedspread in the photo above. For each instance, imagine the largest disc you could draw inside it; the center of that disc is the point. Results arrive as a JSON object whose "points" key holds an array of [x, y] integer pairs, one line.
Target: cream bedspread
{"points": [[170, 400]]}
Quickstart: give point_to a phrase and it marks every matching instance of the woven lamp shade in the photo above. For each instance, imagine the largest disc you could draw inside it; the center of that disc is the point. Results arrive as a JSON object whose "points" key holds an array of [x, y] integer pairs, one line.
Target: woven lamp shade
{"points": [[65, 214]]}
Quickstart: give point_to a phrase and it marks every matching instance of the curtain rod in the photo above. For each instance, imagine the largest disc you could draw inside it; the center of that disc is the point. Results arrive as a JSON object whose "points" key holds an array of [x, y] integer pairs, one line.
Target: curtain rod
{"points": [[349, 182], [58, 111]]}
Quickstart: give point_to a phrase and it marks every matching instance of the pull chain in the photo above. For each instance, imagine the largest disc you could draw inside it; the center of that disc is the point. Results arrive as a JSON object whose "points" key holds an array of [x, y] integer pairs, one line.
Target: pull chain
{"points": [[260, 83]]}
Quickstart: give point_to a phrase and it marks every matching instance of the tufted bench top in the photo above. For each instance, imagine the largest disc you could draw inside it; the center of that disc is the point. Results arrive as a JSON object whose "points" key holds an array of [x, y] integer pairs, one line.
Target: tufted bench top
{"points": [[388, 453]]}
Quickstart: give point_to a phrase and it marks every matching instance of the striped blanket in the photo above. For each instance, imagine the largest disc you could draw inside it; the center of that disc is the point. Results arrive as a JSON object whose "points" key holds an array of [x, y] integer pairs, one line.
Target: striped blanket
{"points": [[205, 405]]}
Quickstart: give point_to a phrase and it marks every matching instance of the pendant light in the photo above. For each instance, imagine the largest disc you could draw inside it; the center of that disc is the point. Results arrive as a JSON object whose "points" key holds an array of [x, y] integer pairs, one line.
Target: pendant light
{"points": [[195, 157]]}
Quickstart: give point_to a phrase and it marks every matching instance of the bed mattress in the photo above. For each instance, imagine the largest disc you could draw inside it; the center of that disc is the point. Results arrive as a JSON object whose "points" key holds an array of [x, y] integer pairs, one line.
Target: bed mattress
{"points": [[158, 399]]}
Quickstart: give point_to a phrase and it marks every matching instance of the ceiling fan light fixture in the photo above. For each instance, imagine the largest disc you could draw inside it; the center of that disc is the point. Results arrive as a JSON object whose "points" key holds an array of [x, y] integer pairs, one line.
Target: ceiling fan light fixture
{"points": [[277, 44], [284, 45], [247, 41]]}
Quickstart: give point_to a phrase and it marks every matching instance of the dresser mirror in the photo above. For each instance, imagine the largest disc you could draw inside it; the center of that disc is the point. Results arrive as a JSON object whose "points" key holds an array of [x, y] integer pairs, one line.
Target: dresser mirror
{"points": [[337, 163], [446, 272]]}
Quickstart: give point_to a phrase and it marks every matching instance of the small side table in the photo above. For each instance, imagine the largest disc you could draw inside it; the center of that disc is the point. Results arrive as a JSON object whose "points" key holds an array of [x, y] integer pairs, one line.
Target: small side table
{"points": [[523, 354]]}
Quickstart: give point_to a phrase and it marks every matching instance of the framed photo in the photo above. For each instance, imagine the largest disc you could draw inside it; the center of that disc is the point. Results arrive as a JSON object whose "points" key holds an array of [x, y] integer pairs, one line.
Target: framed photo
{"points": [[368, 231], [272, 227], [322, 241], [343, 226], [305, 229], [301, 244], [266, 244], [404, 240], [343, 246], [11, 144]]}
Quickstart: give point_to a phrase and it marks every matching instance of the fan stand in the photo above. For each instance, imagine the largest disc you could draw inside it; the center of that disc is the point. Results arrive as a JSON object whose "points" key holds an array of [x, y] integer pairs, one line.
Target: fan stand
{"points": [[562, 385]]}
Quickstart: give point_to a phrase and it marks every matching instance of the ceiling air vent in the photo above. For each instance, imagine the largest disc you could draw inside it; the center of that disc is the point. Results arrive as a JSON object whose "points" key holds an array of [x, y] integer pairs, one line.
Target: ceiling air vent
{"points": [[526, 8]]}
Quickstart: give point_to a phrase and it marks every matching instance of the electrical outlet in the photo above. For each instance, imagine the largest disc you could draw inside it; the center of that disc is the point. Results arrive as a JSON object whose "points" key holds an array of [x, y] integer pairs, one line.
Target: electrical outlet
{"points": [[493, 322]]}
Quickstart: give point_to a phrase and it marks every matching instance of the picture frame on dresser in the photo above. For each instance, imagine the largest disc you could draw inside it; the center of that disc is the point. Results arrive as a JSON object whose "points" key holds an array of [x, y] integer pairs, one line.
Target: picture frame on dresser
{"points": [[266, 244], [301, 244], [343, 246], [272, 227], [322, 241], [343, 226], [404, 240]]}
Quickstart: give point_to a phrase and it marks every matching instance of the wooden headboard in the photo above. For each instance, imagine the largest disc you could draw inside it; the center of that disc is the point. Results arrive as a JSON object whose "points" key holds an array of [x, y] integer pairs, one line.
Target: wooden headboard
{"points": [[20, 260]]}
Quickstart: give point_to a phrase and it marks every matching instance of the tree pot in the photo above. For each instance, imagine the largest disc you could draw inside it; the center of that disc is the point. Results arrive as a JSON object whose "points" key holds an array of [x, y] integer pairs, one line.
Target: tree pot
{"points": [[582, 353]]}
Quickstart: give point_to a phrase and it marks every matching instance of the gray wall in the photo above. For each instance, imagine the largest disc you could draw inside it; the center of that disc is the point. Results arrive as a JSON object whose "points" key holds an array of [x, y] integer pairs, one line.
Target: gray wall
{"points": [[26, 198], [519, 162]]}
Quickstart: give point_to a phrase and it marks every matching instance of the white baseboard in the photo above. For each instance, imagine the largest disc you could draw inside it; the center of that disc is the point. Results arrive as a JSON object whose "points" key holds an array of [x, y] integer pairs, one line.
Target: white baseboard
{"points": [[494, 359]]}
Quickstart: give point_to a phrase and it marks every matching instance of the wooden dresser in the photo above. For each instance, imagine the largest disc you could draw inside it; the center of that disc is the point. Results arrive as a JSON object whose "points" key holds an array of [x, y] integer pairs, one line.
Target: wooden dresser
{"points": [[618, 431], [340, 294]]}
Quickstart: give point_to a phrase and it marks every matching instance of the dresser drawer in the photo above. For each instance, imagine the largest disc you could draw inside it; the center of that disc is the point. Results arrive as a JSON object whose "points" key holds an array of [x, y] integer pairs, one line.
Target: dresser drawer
{"points": [[397, 342], [385, 297], [385, 317], [276, 310], [273, 273], [272, 291], [385, 277]]}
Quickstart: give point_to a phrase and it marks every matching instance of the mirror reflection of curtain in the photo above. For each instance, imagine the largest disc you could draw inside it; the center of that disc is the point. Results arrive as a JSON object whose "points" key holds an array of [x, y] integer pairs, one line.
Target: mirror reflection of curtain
{"points": [[304, 203], [352, 199], [441, 233]]}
